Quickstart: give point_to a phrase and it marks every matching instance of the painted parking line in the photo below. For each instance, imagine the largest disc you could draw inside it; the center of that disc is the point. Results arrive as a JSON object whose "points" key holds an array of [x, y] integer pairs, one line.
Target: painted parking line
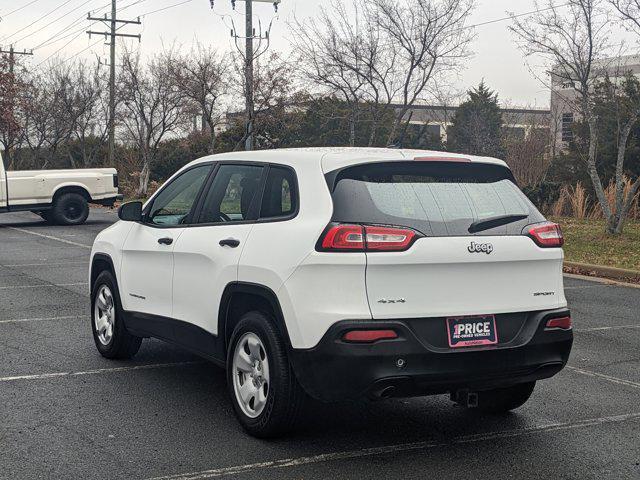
{"points": [[609, 378], [16, 265], [43, 376], [40, 319], [17, 287], [49, 237], [601, 329], [402, 447]]}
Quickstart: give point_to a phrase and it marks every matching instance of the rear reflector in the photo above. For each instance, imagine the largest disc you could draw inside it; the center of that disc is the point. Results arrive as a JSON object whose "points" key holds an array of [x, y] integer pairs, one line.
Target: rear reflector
{"points": [[546, 234], [563, 323], [375, 238], [368, 336]]}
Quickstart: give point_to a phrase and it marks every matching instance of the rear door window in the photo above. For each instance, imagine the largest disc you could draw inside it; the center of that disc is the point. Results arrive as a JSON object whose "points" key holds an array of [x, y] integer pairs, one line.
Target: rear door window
{"points": [[232, 194], [434, 198], [280, 197]]}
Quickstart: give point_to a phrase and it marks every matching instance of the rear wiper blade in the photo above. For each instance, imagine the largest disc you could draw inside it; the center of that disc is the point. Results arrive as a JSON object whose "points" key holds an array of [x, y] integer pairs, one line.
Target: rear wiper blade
{"points": [[492, 222]]}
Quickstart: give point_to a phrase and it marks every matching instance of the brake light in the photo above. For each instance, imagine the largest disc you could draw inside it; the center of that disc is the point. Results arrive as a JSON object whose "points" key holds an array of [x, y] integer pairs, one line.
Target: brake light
{"points": [[368, 336], [546, 235], [367, 238], [563, 323], [343, 237], [443, 159]]}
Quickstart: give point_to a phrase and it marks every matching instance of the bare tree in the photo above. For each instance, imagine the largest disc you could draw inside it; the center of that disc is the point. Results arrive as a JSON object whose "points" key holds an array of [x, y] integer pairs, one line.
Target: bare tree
{"points": [[11, 89], [89, 111], [574, 44], [274, 95], [151, 108], [49, 113], [629, 11], [201, 77], [330, 55], [430, 39], [528, 154]]}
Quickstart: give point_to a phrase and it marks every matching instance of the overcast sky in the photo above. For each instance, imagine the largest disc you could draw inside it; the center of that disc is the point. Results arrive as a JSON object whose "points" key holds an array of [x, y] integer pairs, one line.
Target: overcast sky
{"points": [[496, 59]]}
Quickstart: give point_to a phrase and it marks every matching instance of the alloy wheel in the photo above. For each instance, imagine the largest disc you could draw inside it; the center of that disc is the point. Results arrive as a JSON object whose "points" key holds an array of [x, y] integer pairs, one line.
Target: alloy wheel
{"points": [[251, 382]]}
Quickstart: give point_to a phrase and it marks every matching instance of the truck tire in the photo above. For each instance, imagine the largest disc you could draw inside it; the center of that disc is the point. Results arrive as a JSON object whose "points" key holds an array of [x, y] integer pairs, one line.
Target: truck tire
{"points": [[266, 396], [70, 209]]}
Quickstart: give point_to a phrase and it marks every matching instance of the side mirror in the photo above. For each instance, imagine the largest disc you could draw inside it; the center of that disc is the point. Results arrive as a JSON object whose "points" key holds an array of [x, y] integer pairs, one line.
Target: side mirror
{"points": [[130, 212]]}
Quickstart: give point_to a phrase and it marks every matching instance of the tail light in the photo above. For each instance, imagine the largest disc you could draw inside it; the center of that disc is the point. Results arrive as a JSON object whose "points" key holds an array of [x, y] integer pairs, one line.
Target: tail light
{"points": [[343, 237], [546, 234], [563, 323], [368, 336], [367, 238]]}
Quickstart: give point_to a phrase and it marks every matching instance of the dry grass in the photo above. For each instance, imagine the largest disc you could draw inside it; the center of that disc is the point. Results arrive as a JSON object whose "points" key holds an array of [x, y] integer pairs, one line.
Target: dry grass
{"points": [[573, 201], [587, 242]]}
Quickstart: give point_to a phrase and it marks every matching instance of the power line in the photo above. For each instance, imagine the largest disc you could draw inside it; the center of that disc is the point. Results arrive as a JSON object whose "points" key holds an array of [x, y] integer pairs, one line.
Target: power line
{"points": [[18, 9], [166, 8], [53, 38], [60, 49], [510, 17], [40, 18], [112, 23], [52, 21]]}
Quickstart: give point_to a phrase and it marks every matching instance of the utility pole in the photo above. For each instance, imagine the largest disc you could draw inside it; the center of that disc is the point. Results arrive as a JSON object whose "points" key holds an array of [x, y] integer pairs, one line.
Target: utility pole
{"points": [[248, 74], [11, 52], [249, 59], [112, 35]]}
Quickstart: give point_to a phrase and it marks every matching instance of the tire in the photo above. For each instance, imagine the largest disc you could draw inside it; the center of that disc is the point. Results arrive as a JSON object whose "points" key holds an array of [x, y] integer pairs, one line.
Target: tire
{"points": [[112, 339], [70, 209], [277, 395], [502, 400]]}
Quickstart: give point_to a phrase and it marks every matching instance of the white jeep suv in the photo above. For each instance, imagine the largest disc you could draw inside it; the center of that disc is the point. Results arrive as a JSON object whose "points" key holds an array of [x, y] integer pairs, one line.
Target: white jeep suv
{"points": [[338, 274]]}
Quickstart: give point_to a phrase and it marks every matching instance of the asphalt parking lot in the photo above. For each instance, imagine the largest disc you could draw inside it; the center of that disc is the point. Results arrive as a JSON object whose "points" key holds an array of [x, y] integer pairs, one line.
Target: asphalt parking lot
{"points": [[65, 412]]}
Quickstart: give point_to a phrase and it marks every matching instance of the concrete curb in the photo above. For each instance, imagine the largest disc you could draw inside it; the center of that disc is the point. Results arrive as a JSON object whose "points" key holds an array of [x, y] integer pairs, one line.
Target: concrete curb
{"points": [[602, 271]]}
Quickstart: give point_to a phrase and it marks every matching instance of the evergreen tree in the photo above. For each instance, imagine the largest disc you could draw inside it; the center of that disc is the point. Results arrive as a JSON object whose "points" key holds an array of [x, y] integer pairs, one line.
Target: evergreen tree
{"points": [[477, 125]]}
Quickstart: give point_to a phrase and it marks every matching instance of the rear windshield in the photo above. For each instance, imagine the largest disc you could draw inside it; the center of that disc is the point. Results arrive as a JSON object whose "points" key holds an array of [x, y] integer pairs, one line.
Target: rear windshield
{"points": [[438, 199]]}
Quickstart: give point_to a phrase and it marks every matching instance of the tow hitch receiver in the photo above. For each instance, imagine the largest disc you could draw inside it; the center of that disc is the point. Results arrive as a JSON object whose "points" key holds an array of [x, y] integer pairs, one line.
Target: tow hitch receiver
{"points": [[465, 398]]}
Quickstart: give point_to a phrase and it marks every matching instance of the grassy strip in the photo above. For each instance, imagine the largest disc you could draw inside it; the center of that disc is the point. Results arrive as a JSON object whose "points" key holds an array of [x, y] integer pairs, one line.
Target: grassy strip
{"points": [[586, 242]]}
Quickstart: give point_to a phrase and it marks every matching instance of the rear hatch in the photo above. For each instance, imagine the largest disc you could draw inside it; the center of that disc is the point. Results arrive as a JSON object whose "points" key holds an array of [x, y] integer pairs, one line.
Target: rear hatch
{"points": [[468, 250]]}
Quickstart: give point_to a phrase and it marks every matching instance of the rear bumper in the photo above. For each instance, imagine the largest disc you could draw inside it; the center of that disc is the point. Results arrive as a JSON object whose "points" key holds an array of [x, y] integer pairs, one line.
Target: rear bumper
{"points": [[109, 202], [336, 370]]}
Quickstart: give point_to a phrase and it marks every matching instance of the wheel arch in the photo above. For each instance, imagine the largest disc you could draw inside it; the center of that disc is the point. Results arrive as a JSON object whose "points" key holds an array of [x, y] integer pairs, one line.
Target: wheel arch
{"points": [[239, 298], [71, 188], [99, 263]]}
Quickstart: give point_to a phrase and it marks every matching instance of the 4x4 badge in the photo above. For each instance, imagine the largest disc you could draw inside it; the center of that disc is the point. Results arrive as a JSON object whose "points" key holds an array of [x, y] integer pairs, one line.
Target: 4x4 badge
{"points": [[480, 248]]}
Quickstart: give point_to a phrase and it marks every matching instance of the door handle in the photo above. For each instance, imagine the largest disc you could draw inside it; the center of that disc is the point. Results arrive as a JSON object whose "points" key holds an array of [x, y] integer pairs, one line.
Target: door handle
{"points": [[165, 241], [229, 242]]}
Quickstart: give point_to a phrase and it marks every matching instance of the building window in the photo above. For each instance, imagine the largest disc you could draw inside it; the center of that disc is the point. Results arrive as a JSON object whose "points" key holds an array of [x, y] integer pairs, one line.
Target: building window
{"points": [[567, 124]]}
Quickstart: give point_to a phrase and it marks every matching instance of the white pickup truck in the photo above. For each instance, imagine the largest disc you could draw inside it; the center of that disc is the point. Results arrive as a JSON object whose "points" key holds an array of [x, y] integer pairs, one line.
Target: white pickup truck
{"points": [[58, 196]]}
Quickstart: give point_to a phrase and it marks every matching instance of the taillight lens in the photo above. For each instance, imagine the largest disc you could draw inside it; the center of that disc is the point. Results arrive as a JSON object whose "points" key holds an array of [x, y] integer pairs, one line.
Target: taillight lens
{"points": [[563, 323], [546, 234], [388, 238], [368, 336], [344, 237], [367, 238]]}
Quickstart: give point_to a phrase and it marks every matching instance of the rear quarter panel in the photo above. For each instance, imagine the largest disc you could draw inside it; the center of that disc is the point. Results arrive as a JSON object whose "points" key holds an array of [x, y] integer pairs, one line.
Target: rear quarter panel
{"points": [[281, 256]]}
